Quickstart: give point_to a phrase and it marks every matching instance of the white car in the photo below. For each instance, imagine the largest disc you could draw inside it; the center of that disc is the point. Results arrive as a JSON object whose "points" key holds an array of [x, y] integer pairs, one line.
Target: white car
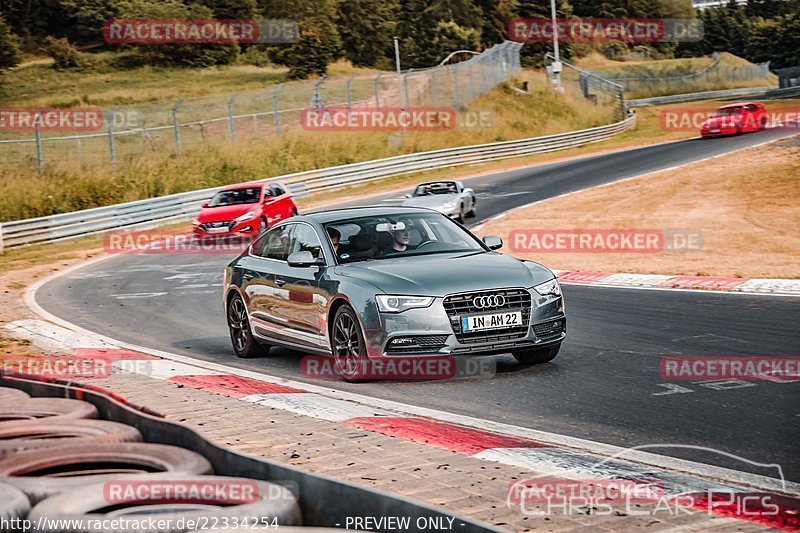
{"points": [[450, 198]]}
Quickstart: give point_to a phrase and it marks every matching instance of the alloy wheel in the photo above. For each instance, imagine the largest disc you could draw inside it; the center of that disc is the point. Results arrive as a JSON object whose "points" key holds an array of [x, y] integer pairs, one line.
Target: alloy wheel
{"points": [[346, 346], [238, 324]]}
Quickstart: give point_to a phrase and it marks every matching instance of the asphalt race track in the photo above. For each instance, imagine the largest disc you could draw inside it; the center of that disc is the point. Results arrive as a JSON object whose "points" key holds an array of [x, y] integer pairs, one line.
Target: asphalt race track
{"points": [[605, 384]]}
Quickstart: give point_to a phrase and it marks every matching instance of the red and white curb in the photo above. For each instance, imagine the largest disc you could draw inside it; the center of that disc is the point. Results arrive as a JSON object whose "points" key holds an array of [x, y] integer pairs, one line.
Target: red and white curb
{"points": [[541, 453], [761, 286]]}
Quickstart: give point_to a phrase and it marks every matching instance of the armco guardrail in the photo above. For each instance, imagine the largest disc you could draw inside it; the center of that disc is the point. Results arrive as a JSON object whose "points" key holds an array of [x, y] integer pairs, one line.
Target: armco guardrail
{"points": [[186, 205], [763, 92]]}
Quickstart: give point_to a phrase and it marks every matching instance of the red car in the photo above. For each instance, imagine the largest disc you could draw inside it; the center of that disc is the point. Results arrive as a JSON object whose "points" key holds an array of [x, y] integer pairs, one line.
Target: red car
{"points": [[735, 118], [244, 210]]}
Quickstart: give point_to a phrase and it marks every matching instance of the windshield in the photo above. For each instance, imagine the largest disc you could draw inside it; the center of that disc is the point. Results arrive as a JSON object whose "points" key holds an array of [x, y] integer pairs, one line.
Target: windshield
{"points": [[728, 112], [400, 235], [249, 195], [443, 187]]}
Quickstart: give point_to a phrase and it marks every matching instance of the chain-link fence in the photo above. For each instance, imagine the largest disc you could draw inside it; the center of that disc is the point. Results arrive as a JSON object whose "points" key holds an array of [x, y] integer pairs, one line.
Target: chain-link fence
{"points": [[179, 127], [714, 76], [601, 92]]}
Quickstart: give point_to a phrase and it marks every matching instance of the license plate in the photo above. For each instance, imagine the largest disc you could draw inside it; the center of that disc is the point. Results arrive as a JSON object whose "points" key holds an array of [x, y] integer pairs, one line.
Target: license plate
{"points": [[713, 131], [217, 230], [493, 321]]}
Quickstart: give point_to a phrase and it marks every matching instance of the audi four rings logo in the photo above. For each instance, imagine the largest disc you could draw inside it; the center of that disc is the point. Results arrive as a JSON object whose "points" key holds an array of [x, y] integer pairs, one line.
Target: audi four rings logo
{"points": [[494, 300]]}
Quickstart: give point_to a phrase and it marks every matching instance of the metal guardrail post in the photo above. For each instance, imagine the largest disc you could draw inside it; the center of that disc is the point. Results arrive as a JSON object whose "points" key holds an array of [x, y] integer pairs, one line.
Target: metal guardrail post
{"points": [[433, 88], [176, 127], [405, 88], [112, 152], [456, 96], [377, 89], [276, 112], [349, 94], [38, 134], [231, 127], [316, 100]]}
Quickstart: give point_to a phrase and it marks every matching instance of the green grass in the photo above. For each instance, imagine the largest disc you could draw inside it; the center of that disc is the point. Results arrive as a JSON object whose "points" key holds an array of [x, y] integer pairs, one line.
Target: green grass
{"points": [[146, 170], [106, 82], [723, 77]]}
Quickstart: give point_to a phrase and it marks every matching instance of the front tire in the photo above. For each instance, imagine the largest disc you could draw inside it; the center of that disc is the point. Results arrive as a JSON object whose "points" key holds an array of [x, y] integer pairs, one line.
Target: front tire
{"points": [[242, 339], [473, 209], [348, 346], [536, 357]]}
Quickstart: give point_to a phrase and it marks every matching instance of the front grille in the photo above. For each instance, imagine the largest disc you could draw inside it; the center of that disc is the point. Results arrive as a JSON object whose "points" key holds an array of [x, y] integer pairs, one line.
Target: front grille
{"points": [[222, 224], [419, 344], [458, 305], [549, 330]]}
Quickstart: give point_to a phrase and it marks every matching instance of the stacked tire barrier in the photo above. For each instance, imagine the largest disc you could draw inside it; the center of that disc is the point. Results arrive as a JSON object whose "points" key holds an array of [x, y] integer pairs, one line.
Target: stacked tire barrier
{"points": [[67, 451], [57, 461]]}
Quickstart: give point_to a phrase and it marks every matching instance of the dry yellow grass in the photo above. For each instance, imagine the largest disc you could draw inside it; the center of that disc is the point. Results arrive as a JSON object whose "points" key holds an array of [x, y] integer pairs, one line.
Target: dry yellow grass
{"points": [[744, 204]]}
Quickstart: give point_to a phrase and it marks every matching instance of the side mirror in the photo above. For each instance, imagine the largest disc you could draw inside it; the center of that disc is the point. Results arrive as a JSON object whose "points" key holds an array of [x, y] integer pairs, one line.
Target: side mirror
{"points": [[493, 242], [304, 259], [205, 205]]}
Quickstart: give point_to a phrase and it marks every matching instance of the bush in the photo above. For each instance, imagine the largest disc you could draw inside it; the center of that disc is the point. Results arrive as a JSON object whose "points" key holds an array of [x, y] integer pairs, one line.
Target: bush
{"points": [[64, 54], [9, 47]]}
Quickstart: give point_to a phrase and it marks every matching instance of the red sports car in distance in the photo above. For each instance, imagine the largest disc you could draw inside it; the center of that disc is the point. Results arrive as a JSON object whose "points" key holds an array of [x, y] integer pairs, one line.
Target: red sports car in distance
{"points": [[244, 210], [735, 118]]}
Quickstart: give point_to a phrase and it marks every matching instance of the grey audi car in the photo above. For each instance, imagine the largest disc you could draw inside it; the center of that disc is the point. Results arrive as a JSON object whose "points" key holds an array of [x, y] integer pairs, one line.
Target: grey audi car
{"points": [[389, 282]]}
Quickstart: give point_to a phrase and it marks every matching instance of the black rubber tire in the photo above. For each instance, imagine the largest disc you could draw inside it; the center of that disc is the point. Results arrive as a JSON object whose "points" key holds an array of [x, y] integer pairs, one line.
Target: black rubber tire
{"points": [[535, 357], [294, 212], [53, 409], [346, 372], [33, 472], [16, 437], [85, 502], [262, 225], [9, 395], [245, 346], [13, 504], [474, 210]]}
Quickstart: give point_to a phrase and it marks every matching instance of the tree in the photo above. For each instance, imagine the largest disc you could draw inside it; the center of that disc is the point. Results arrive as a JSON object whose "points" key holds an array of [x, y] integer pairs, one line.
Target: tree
{"points": [[9, 47], [366, 28], [181, 55], [318, 42], [533, 53], [496, 15]]}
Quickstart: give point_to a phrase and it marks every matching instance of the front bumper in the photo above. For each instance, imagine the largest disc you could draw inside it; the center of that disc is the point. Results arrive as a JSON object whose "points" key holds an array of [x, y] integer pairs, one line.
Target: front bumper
{"points": [[430, 332], [241, 230]]}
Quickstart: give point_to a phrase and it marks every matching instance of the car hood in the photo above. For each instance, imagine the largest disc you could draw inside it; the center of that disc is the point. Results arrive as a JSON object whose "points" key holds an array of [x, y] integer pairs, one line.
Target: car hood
{"points": [[224, 212], [442, 274], [434, 200]]}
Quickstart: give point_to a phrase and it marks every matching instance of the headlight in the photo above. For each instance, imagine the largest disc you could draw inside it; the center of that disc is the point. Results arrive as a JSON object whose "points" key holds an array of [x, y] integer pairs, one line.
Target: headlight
{"points": [[250, 215], [550, 288], [388, 303]]}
